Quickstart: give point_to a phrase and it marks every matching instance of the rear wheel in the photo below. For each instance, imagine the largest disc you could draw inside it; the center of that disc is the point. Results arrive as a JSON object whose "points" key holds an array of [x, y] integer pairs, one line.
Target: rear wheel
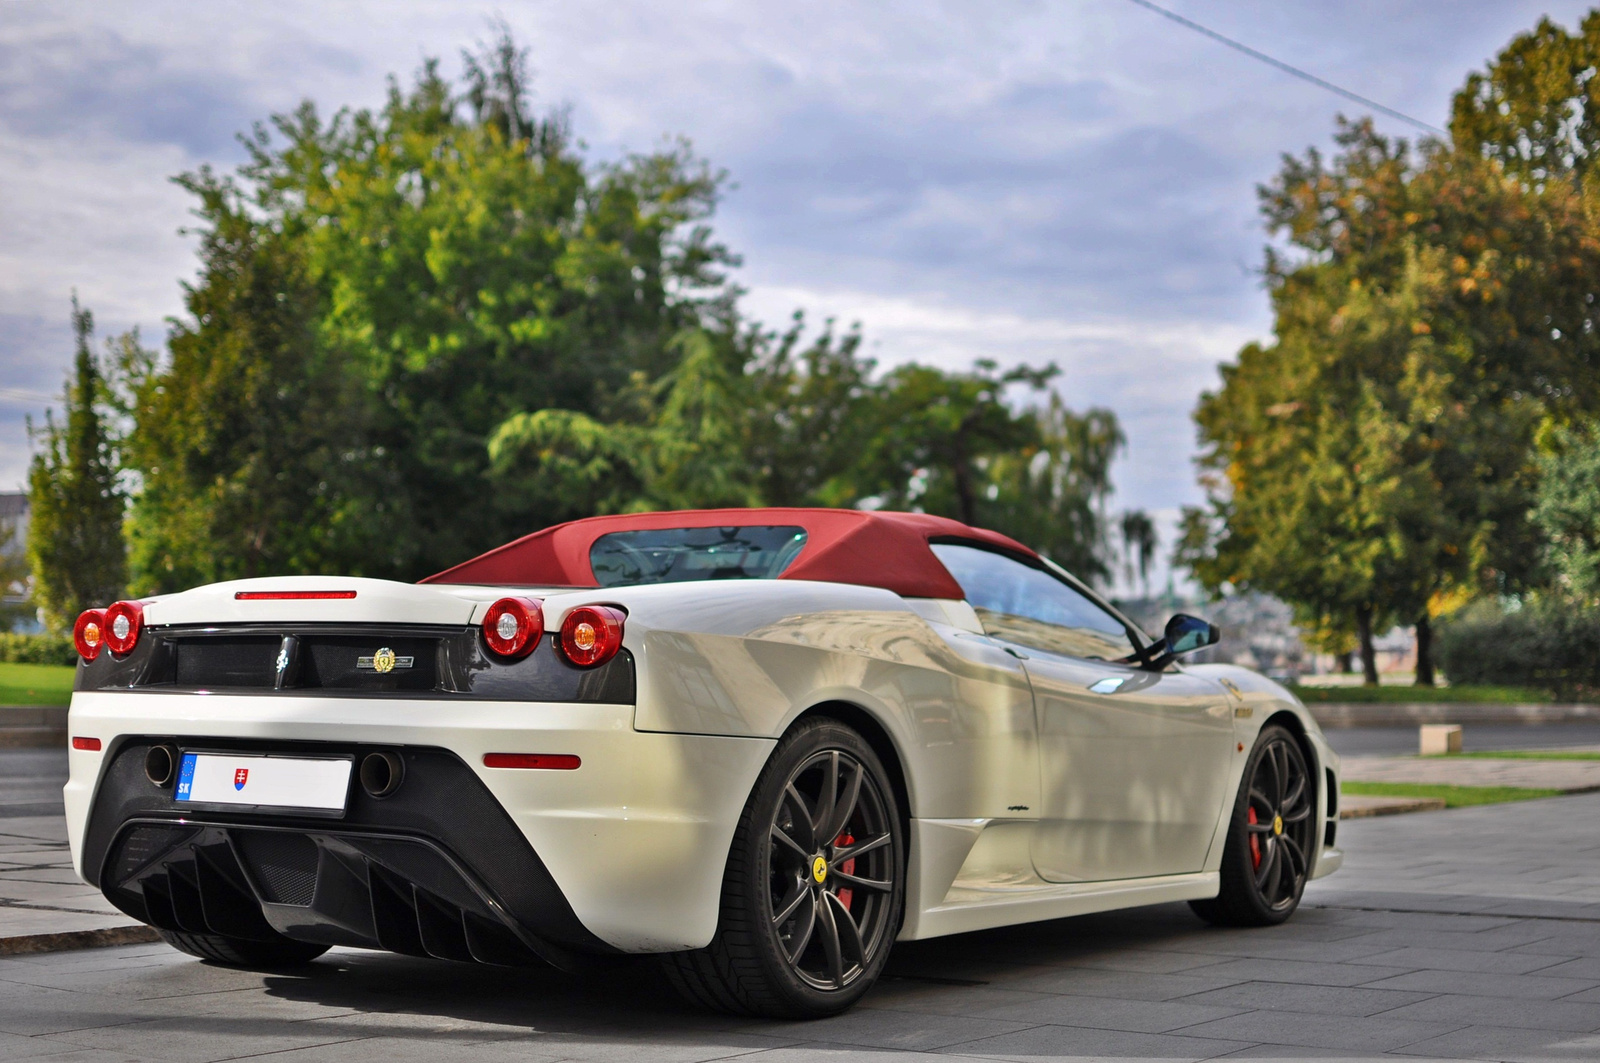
{"points": [[242, 952], [1271, 838], [813, 892]]}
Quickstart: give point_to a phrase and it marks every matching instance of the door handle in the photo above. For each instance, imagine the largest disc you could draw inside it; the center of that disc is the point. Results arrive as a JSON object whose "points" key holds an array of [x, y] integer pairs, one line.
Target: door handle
{"points": [[1018, 654]]}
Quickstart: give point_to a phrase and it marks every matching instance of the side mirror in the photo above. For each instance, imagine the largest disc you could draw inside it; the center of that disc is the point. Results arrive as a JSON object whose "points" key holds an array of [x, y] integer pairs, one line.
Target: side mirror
{"points": [[1185, 634]]}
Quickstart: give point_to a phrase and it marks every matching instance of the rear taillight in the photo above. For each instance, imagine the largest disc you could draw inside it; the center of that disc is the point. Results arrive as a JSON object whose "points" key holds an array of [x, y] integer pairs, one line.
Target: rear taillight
{"points": [[592, 634], [124, 622], [89, 633], [513, 627]]}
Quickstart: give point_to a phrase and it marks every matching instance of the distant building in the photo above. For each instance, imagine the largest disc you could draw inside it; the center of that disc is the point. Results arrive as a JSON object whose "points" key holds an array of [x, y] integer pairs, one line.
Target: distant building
{"points": [[15, 612], [13, 521]]}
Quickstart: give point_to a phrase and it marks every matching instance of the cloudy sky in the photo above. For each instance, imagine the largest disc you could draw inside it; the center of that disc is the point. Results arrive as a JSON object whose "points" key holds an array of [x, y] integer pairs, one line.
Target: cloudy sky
{"points": [[1068, 181]]}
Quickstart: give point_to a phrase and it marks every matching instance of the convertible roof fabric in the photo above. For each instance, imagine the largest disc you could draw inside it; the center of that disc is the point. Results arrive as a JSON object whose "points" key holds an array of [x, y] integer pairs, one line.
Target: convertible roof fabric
{"points": [[888, 550]]}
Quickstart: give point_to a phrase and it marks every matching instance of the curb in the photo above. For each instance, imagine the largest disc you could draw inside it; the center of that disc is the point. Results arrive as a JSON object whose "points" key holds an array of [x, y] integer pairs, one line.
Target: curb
{"points": [[33, 726], [1389, 806], [33, 944]]}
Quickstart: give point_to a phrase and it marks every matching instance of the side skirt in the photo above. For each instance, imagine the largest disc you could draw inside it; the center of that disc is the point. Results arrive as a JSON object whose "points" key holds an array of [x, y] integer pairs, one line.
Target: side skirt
{"points": [[1033, 904]]}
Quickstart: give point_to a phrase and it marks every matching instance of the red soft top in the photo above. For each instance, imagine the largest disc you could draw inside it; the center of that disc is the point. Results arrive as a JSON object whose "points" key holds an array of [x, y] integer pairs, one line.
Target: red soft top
{"points": [[888, 550]]}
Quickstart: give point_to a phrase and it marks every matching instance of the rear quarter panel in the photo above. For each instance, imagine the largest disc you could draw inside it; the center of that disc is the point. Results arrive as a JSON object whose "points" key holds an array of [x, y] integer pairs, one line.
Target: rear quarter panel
{"points": [[748, 658]]}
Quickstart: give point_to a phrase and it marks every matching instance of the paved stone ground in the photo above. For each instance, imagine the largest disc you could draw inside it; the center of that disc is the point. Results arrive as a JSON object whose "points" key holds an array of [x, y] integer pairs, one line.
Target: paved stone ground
{"points": [[1570, 775], [1469, 934], [1476, 738], [39, 893]]}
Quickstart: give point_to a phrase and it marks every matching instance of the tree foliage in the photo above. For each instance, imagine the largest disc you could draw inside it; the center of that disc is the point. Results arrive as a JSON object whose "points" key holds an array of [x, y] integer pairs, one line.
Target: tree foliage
{"points": [[422, 330], [75, 546], [1434, 309]]}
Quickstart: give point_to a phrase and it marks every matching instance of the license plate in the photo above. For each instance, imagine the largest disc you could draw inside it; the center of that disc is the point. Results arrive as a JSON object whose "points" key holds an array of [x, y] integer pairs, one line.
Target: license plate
{"points": [[264, 781]]}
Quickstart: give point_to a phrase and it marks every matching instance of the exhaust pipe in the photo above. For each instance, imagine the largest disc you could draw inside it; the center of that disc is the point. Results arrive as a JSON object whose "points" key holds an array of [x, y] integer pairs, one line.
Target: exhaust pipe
{"points": [[160, 764], [381, 774]]}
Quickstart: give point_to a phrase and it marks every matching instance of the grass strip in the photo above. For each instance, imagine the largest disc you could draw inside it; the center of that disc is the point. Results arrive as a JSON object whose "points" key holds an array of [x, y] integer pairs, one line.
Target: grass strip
{"points": [[1523, 754], [35, 684], [1453, 796], [1413, 694]]}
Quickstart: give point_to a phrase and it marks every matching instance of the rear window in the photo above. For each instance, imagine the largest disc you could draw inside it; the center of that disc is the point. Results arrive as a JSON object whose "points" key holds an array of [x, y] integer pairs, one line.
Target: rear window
{"points": [[678, 555]]}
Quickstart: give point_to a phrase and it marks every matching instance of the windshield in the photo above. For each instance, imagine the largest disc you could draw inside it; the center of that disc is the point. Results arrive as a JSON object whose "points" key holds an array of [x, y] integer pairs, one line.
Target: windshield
{"points": [[676, 555]]}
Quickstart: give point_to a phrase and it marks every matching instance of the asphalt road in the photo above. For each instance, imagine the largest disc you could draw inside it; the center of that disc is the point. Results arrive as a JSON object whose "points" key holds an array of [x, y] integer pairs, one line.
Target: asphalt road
{"points": [[1395, 741], [1470, 934]]}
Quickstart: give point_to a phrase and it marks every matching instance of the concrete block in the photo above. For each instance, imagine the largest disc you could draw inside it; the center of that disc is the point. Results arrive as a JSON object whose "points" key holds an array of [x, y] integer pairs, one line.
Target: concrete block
{"points": [[1436, 738]]}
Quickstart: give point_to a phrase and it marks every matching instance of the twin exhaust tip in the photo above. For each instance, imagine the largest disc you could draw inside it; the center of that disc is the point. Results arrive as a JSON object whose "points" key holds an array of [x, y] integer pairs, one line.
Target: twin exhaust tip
{"points": [[380, 773], [160, 764]]}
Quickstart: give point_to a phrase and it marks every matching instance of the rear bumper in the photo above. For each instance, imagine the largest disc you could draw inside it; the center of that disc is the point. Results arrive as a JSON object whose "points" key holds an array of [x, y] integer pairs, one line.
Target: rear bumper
{"points": [[626, 853]]}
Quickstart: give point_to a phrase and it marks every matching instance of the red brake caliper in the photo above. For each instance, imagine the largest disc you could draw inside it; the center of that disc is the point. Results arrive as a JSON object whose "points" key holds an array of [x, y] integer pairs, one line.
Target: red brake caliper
{"points": [[1255, 841], [848, 867]]}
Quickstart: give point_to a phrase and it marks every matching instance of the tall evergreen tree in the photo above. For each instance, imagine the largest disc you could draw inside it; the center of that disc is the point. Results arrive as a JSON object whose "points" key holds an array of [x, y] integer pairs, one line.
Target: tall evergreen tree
{"points": [[75, 543]]}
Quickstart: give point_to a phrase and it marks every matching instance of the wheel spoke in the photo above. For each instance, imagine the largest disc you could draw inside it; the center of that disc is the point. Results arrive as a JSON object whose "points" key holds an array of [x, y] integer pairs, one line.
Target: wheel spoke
{"points": [[803, 930], [1259, 828], [1274, 877], [861, 848], [789, 844], [1298, 817], [845, 808], [1261, 801], [802, 821], [1269, 856], [830, 942], [1297, 858], [1280, 768], [801, 892], [854, 882], [1295, 793], [849, 934], [827, 798]]}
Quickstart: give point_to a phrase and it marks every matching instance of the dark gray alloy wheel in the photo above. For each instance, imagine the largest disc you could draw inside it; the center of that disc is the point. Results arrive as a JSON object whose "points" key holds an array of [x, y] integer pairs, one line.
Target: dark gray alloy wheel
{"points": [[242, 952], [813, 893], [1271, 838]]}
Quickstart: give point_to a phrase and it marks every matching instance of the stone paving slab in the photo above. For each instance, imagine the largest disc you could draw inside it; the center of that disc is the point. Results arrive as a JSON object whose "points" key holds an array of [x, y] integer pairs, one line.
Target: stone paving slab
{"points": [[1463, 934], [1569, 775]]}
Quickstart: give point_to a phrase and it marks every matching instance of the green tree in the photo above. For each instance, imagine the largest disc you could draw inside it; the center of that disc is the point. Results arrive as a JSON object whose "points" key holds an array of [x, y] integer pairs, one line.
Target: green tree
{"points": [[1375, 463], [1567, 511], [380, 293], [1536, 109], [249, 439], [75, 544]]}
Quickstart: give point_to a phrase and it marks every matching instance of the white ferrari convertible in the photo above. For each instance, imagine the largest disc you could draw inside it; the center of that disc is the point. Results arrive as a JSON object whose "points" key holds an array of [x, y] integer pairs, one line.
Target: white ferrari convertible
{"points": [[762, 744]]}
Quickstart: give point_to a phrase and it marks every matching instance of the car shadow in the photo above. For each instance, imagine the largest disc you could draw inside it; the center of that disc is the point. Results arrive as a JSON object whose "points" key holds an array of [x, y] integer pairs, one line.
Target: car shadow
{"points": [[634, 996]]}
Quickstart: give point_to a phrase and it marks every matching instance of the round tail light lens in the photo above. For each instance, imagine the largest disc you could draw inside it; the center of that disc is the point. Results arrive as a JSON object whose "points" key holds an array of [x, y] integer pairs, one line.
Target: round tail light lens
{"points": [[89, 633], [592, 634], [513, 627], [124, 622]]}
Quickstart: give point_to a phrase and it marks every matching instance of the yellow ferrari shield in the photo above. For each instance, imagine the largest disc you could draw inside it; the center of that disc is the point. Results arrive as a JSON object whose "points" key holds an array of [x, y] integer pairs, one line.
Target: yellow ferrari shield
{"points": [[819, 869], [1277, 824]]}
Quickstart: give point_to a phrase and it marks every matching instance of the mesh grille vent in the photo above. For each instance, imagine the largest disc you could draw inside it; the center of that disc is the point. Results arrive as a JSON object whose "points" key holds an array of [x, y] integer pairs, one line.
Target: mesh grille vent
{"points": [[284, 865]]}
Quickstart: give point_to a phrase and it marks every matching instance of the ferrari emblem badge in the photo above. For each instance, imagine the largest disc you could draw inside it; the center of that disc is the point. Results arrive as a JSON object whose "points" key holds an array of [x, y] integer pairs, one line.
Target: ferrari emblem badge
{"points": [[1277, 824], [240, 777], [384, 660], [819, 869]]}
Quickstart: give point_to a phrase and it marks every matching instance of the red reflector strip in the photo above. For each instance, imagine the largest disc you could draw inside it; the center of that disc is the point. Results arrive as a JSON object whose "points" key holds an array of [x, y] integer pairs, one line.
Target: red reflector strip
{"points": [[90, 744], [289, 596], [551, 761]]}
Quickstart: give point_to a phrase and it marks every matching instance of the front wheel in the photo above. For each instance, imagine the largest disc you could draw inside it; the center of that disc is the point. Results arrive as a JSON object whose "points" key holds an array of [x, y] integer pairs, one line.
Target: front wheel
{"points": [[1271, 837], [813, 892]]}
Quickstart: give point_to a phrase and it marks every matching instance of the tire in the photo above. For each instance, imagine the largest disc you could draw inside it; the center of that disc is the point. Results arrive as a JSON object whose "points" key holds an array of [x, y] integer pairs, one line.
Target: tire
{"points": [[243, 952], [1266, 860], [814, 889]]}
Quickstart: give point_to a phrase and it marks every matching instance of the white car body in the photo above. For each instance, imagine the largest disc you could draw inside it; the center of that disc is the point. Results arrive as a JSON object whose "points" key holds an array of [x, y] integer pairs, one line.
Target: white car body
{"points": [[1029, 797]]}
